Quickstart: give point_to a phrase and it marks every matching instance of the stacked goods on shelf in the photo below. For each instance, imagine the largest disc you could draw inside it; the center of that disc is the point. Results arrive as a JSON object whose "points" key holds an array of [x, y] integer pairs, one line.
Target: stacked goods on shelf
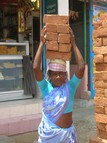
{"points": [[3, 50], [100, 75], [58, 38], [12, 51]]}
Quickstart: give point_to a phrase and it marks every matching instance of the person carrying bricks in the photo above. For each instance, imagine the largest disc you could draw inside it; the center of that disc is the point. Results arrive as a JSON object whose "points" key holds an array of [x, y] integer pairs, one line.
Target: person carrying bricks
{"points": [[58, 95]]}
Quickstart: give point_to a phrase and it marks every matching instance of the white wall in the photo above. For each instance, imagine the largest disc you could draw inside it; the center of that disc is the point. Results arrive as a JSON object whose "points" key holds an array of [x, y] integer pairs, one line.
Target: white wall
{"points": [[63, 7]]}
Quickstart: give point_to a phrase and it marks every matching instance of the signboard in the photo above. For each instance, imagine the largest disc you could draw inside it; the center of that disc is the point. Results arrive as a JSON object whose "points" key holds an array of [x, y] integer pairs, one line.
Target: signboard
{"points": [[51, 6], [97, 10]]}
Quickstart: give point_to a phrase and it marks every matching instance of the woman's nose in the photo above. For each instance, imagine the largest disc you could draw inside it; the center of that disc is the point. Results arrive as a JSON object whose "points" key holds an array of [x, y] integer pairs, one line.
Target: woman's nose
{"points": [[58, 75]]}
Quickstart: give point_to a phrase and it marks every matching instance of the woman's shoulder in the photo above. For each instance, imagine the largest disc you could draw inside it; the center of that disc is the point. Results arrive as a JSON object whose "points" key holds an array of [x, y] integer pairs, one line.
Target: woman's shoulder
{"points": [[74, 81]]}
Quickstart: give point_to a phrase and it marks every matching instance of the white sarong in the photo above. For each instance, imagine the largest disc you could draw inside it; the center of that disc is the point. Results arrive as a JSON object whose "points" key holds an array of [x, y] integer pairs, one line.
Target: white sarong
{"points": [[49, 132], [53, 107]]}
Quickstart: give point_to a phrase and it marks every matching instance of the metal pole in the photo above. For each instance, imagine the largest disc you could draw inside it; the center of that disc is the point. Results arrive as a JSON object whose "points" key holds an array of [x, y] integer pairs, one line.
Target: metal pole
{"points": [[85, 54]]}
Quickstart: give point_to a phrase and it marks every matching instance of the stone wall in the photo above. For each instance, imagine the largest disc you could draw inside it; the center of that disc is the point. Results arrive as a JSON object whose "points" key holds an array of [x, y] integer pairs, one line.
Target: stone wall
{"points": [[100, 75]]}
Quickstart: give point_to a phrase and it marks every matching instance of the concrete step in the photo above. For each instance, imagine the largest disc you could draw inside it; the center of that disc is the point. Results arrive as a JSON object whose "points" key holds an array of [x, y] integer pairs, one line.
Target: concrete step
{"points": [[6, 139], [20, 117], [79, 103], [19, 125]]}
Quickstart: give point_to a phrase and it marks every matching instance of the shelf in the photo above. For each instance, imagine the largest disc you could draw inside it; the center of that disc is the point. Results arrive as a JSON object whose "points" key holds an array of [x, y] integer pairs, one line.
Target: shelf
{"points": [[4, 80], [12, 57], [4, 68], [25, 32]]}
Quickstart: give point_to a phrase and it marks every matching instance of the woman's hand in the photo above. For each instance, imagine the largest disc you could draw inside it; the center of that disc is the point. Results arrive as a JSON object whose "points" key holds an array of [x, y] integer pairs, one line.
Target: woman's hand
{"points": [[73, 14], [43, 36], [38, 57]]}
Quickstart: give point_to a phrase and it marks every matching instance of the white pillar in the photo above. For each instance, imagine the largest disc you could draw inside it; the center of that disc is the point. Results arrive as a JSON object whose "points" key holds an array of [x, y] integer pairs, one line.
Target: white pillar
{"points": [[63, 9]]}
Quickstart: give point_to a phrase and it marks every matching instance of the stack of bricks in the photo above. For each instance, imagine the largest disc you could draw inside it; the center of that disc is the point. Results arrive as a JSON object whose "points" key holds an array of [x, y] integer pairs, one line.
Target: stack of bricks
{"points": [[100, 77], [58, 38]]}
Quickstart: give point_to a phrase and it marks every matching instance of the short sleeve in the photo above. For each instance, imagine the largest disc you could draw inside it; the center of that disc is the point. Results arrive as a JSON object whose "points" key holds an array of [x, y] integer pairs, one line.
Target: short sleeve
{"points": [[45, 87], [74, 81], [42, 84]]}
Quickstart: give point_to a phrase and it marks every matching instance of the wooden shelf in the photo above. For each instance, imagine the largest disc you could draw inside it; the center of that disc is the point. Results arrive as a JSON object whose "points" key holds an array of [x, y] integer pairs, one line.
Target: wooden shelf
{"points": [[26, 31]]}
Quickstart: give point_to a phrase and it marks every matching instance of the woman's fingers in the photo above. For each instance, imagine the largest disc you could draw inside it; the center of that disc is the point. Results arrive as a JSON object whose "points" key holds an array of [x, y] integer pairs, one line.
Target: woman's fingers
{"points": [[43, 35]]}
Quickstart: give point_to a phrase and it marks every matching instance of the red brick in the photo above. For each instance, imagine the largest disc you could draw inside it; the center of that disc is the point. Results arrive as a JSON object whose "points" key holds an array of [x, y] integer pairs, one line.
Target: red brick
{"points": [[98, 101], [104, 23], [105, 85], [103, 16], [97, 42], [100, 91], [55, 19], [96, 140], [105, 41], [100, 32], [100, 109], [103, 32], [63, 28], [106, 112], [98, 84], [101, 126], [104, 76], [64, 47], [64, 38], [102, 118], [98, 59], [51, 36], [101, 67], [100, 76], [52, 45], [102, 134], [97, 75], [97, 24], [100, 50], [61, 55], [51, 28], [96, 34], [99, 95], [105, 93], [105, 58]]}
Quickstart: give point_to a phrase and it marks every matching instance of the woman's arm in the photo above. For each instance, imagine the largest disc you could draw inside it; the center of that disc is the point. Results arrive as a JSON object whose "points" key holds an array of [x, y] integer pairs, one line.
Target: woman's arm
{"points": [[38, 58], [79, 59]]}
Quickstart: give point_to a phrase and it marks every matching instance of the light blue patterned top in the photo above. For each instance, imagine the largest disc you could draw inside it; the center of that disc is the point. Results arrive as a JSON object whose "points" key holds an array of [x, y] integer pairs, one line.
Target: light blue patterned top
{"points": [[45, 87]]}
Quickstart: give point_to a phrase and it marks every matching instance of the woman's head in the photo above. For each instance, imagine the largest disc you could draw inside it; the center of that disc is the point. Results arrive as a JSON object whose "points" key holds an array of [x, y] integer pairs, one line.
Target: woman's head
{"points": [[56, 72]]}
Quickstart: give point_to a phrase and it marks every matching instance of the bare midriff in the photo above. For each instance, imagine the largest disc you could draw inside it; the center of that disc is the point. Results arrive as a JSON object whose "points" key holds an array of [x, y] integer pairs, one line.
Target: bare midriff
{"points": [[65, 121]]}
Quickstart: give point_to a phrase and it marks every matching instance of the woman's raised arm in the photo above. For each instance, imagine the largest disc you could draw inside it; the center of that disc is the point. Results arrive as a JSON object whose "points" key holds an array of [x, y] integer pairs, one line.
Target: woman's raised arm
{"points": [[38, 57], [79, 59]]}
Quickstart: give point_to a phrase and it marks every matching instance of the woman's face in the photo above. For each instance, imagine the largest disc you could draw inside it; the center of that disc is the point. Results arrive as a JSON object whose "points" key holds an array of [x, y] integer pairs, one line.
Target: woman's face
{"points": [[57, 78]]}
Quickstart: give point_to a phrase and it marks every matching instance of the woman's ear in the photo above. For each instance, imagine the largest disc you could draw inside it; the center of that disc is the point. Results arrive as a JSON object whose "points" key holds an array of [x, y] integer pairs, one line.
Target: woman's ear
{"points": [[49, 73], [66, 75]]}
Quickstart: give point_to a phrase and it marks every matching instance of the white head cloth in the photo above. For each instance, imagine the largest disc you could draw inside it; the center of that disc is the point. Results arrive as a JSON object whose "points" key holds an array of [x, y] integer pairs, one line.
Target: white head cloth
{"points": [[57, 65]]}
